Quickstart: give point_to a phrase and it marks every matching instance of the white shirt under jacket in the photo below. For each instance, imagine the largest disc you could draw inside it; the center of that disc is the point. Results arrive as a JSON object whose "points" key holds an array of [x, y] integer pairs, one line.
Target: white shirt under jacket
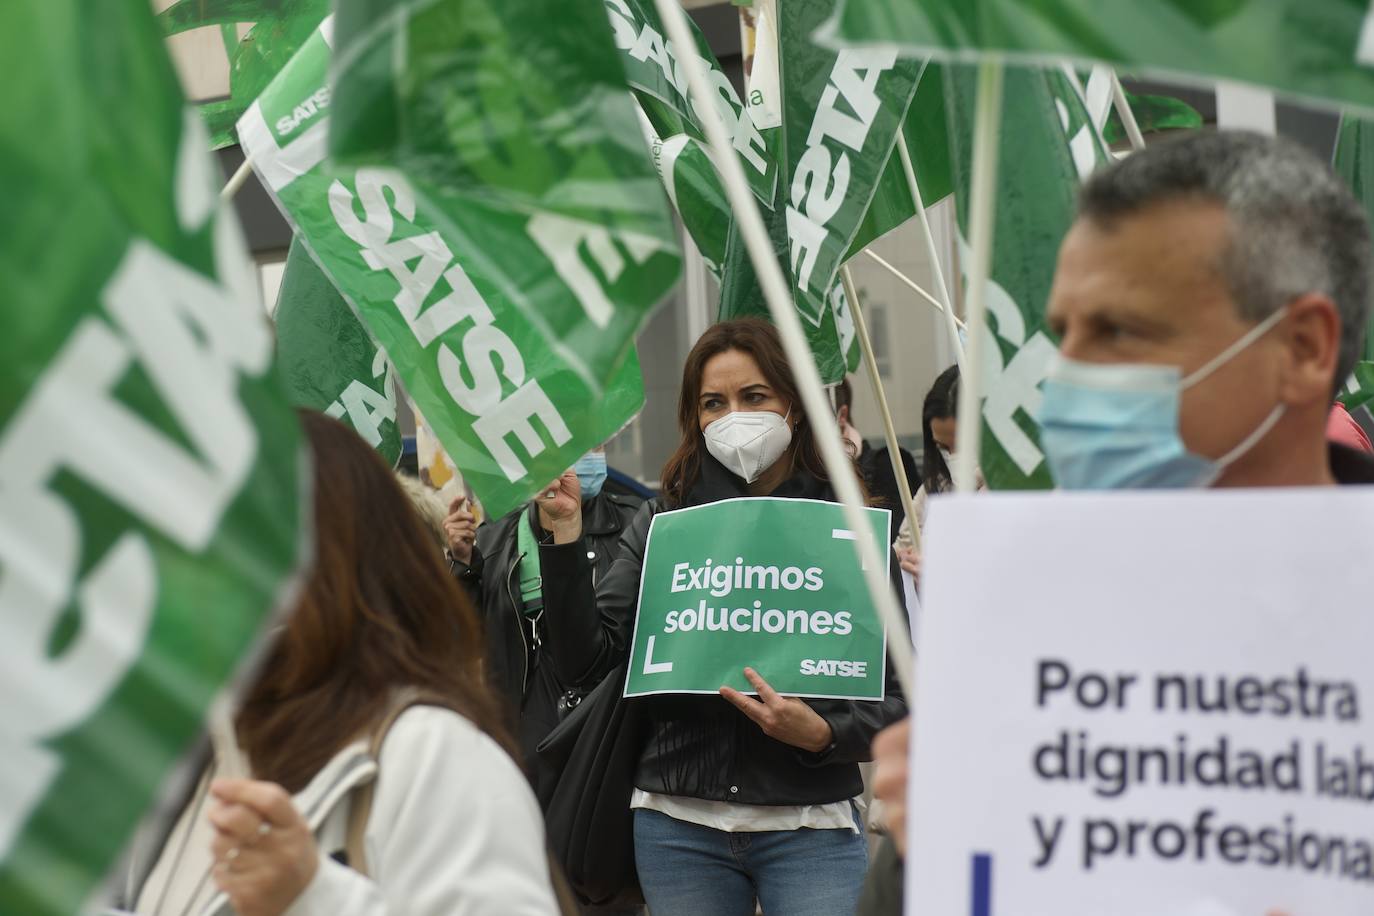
{"points": [[454, 831]]}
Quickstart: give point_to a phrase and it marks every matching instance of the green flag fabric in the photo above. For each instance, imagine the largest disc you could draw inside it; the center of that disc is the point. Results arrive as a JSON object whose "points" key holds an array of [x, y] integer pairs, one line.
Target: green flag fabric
{"points": [[151, 501], [834, 342], [1354, 161], [553, 199], [652, 67], [1154, 113], [1037, 178], [928, 145], [684, 166], [328, 359], [841, 114], [279, 28], [1317, 49], [512, 411]]}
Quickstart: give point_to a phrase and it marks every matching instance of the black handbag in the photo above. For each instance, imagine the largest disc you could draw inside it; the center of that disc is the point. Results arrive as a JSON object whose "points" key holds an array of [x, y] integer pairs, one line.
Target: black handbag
{"points": [[594, 752]]}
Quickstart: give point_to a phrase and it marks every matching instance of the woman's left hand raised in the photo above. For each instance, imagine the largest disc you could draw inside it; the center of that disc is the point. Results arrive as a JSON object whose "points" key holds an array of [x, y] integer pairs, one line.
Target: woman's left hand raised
{"points": [[787, 719], [265, 854]]}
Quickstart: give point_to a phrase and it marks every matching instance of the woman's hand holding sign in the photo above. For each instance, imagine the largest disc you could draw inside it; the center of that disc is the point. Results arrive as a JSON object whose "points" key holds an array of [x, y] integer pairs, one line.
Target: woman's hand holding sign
{"points": [[787, 719]]}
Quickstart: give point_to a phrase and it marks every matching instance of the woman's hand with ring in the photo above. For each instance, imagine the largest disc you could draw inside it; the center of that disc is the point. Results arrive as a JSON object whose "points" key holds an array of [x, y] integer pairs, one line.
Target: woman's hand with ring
{"points": [[265, 855]]}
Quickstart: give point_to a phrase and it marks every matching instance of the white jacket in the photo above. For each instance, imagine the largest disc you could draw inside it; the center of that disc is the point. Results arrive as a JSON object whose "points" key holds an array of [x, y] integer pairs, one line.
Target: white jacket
{"points": [[454, 830]]}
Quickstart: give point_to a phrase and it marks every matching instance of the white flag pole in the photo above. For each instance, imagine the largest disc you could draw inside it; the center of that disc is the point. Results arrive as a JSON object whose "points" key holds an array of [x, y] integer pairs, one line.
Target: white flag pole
{"points": [[909, 283], [780, 305], [1123, 111], [237, 179], [982, 216], [894, 452], [941, 287]]}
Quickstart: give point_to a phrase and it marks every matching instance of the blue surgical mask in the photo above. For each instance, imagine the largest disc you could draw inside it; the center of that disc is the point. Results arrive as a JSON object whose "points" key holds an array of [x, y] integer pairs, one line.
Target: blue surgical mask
{"points": [[1115, 427], [591, 473]]}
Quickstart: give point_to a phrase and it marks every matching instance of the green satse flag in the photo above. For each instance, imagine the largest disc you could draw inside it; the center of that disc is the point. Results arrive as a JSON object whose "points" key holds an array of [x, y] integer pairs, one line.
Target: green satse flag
{"points": [[1038, 174], [1319, 49], [1153, 113], [511, 410], [1354, 161], [834, 342], [279, 28], [685, 168], [511, 121], [328, 360], [652, 67], [695, 190], [841, 114], [150, 497], [928, 144]]}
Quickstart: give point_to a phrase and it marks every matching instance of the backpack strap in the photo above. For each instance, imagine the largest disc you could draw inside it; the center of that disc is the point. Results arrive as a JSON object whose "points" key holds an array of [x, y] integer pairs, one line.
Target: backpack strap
{"points": [[354, 846]]}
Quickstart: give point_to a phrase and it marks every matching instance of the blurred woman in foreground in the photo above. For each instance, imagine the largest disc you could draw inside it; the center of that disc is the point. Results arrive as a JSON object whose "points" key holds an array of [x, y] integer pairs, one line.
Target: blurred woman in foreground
{"points": [[379, 659]]}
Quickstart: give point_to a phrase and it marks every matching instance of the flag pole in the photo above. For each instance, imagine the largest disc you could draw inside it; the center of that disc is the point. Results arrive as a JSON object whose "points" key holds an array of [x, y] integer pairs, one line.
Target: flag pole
{"points": [[814, 401], [929, 238], [237, 179], [894, 452], [910, 283], [982, 213], [1123, 111]]}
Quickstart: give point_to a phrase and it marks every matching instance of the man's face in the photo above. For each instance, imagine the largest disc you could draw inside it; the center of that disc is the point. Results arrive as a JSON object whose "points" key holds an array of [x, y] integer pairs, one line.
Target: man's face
{"points": [[1149, 289]]}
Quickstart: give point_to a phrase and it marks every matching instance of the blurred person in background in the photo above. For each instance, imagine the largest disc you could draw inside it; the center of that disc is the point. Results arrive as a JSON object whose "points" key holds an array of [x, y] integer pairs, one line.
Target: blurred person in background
{"points": [[499, 564], [939, 438], [429, 505], [874, 463]]}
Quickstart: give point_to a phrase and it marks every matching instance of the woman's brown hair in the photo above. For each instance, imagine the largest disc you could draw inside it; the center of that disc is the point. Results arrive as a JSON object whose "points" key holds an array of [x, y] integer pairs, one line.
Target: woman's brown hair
{"points": [[379, 611], [760, 340]]}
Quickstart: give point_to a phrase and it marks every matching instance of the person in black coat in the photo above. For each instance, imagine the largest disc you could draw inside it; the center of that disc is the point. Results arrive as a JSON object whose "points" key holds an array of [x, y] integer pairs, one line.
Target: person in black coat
{"points": [[494, 563], [874, 463], [737, 799]]}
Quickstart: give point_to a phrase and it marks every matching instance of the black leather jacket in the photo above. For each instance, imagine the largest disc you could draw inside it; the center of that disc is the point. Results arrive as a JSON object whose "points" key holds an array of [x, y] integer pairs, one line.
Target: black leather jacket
{"points": [[701, 746], [517, 656]]}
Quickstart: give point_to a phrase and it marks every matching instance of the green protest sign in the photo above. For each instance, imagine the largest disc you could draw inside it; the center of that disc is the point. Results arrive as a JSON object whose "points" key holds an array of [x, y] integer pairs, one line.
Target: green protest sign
{"points": [[764, 582], [652, 67], [1354, 161], [512, 411], [1320, 49], [150, 491], [279, 28], [553, 199], [842, 111], [328, 359], [1047, 142]]}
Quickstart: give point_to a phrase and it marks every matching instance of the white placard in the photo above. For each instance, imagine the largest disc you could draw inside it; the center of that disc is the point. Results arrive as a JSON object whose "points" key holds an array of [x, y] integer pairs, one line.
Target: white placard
{"points": [[1135, 705]]}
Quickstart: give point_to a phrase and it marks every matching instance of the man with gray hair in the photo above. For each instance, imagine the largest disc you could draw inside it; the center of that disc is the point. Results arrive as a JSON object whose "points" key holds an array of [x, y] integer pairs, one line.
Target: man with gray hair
{"points": [[1210, 300]]}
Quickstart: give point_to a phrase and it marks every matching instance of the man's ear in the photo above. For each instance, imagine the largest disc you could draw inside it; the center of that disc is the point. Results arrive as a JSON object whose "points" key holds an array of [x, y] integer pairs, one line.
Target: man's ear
{"points": [[1313, 337]]}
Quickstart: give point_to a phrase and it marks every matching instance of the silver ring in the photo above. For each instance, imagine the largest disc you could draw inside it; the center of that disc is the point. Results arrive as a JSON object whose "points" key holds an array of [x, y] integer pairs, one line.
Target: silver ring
{"points": [[264, 829]]}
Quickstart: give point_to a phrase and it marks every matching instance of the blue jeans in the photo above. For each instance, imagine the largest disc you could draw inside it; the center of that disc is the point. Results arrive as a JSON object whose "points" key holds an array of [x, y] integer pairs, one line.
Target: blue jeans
{"points": [[688, 870]]}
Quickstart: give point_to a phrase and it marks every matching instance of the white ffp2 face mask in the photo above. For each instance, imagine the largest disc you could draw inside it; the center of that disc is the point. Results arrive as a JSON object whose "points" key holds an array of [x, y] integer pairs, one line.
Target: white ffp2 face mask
{"points": [[748, 442]]}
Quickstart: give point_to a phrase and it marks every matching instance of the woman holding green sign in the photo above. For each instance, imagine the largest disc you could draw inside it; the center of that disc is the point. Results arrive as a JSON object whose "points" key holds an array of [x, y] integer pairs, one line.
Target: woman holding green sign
{"points": [[737, 799]]}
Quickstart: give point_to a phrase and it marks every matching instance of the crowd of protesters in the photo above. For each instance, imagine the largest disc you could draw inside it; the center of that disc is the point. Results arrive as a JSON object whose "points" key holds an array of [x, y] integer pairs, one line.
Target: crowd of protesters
{"points": [[1209, 302]]}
